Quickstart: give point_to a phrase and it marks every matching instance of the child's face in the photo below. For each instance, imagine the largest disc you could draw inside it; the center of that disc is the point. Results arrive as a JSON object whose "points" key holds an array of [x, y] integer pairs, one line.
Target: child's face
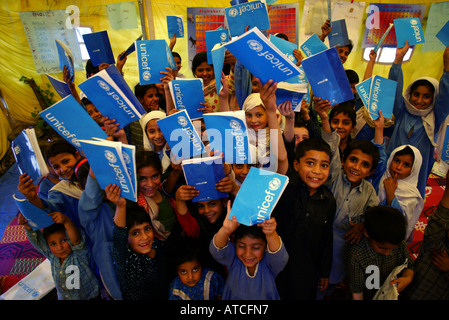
{"points": [[59, 244], [343, 125], [190, 273], [255, 85], [149, 181], [313, 169], [64, 164], [250, 251], [354, 90], [150, 100], [178, 65], [140, 238], [383, 248], [421, 97], [343, 53], [300, 134], [206, 72], [155, 134], [357, 166], [94, 113], [401, 166], [211, 209], [256, 118], [241, 170]]}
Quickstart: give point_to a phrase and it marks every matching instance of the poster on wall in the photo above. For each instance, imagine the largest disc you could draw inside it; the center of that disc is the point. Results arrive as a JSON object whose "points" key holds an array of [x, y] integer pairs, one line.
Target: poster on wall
{"points": [[122, 15], [352, 13], [438, 16], [41, 29], [283, 18], [377, 24]]}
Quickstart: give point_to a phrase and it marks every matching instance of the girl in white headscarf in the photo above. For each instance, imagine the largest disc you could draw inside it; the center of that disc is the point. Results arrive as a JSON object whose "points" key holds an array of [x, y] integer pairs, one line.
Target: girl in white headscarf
{"points": [[398, 185], [153, 139]]}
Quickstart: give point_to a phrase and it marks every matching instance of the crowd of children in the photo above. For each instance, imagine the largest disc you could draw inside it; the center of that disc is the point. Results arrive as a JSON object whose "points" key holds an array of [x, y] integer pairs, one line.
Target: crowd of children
{"points": [[351, 203]]}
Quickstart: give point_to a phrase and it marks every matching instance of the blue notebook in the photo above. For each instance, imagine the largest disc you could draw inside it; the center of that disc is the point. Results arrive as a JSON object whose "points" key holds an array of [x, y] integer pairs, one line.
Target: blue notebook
{"points": [[175, 26], [153, 56], [258, 196], [112, 96], [286, 47], [252, 14], [227, 133], [381, 97], [204, 174], [181, 136], [443, 34], [71, 121], [28, 155], [113, 162], [327, 77], [36, 217], [363, 89], [313, 45], [188, 94], [261, 57], [65, 58], [218, 55], [99, 47], [213, 37], [339, 34], [408, 29], [60, 86], [294, 92], [445, 147], [130, 49]]}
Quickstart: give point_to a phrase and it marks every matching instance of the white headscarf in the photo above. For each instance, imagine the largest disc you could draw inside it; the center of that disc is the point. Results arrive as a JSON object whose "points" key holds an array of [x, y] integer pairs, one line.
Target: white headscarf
{"points": [[427, 115], [406, 193], [259, 148], [147, 144]]}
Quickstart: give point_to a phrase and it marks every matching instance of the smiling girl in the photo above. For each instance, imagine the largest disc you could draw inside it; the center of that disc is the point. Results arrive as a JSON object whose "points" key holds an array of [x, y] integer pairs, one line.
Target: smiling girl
{"points": [[419, 113]]}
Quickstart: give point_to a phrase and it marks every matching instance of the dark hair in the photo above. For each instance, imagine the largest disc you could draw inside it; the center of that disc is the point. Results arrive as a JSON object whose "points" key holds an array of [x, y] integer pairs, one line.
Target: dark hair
{"points": [[51, 229], [353, 77], [385, 224], [405, 152], [176, 55], [347, 108], [185, 250], [141, 89], [86, 101], [281, 35], [90, 68], [315, 143], [58, 147], [350, 45], [136, 214], [254, 232], [145, 158], [199, 58], [422, 82], [366, 147]]}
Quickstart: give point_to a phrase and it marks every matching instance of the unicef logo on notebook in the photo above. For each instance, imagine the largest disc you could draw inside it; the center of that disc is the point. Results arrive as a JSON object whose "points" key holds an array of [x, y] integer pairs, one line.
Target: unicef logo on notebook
{"points": [[374, 106], [235, 125], [255, 45], [126, 158], [110, 156], [414, 22], [146, 75], [103, 85], [17, 150], [76, 142], [233, 12], [223, 36], [274, 184], [182, 121]]}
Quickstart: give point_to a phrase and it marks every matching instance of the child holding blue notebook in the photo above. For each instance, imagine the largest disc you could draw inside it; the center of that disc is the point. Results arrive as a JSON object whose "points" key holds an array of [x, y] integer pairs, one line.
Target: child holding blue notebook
{"points": [[419, 113]]}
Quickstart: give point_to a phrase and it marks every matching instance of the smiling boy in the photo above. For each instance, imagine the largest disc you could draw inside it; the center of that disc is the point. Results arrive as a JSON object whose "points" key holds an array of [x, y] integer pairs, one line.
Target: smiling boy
{"points": [[304, 216]]}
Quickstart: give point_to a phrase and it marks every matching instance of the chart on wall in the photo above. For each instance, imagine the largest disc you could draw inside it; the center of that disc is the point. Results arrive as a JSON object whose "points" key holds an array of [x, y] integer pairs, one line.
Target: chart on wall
{"points": [[381, 15], [41, 29], [283, 18]]}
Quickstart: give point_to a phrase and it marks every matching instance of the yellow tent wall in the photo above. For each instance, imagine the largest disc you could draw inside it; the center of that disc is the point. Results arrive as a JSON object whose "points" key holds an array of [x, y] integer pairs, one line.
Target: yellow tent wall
{"points": [[16, 59]]}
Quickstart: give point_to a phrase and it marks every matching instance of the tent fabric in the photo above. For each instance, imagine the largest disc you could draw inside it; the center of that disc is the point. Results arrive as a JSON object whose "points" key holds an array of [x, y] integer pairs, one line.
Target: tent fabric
{"points": [[16, 58]]}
